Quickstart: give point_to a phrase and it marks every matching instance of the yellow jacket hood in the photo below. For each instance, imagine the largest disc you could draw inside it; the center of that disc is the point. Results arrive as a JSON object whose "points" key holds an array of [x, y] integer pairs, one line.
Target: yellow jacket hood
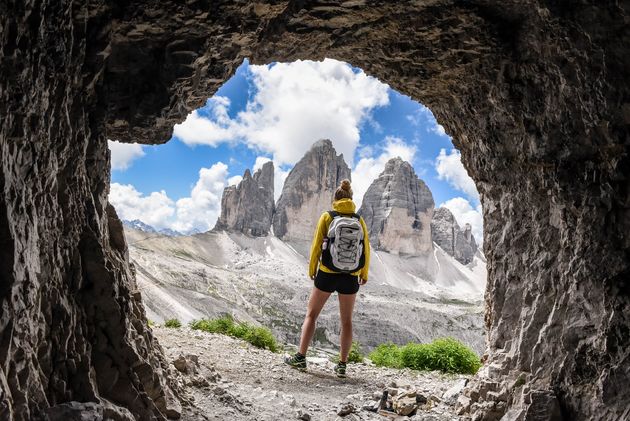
{"points": [[344, 206]]}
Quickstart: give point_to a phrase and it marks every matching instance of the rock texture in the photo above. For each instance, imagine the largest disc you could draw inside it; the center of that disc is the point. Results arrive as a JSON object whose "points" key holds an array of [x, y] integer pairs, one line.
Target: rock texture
{"points": [[248, 207], [308, 191], [534, 93], [446, 233], [397, 209]]}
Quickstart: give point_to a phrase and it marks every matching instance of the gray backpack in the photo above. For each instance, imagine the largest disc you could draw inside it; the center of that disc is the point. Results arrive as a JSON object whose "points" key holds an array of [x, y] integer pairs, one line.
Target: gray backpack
{"points": [[342, 250]]}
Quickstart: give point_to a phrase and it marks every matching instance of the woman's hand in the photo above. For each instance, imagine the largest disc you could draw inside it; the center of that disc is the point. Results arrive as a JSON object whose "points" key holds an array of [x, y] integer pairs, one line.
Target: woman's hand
{"points": [[312, 277], [362, 281]]}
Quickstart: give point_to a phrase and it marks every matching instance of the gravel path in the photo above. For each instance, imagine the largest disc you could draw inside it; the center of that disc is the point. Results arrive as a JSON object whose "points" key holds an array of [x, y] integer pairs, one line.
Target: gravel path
{"points": [[231, 380]]}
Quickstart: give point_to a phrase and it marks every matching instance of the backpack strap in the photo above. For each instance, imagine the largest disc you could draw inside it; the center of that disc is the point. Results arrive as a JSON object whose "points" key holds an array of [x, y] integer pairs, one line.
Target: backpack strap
{"points": [[334, 214]]}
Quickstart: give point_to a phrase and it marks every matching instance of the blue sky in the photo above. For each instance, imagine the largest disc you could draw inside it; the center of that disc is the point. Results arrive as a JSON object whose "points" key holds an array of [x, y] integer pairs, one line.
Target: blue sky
{"points": [[276, 112]]}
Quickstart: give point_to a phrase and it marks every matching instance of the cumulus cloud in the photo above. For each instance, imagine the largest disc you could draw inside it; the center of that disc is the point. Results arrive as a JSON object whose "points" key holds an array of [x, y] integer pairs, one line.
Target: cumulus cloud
{"points": [[294, 105], [198, 212], [155, 209], [449, 167], [370, 165], [210, 129], [201, 210], [465, 214], [123, 154], [234, 180]]}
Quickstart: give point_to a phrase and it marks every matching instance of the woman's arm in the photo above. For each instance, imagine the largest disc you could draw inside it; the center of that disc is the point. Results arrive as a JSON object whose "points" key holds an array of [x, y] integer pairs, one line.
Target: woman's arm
{"points": [[316, 245]]}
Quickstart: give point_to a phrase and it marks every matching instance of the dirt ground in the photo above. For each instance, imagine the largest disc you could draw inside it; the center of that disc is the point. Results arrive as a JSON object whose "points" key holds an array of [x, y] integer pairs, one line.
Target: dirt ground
{"points": [[222, 378]]}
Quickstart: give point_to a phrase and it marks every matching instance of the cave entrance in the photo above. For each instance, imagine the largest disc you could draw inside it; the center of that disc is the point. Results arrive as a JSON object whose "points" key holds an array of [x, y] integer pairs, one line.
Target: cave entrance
{"points": [[535, 95], [221, 196]]}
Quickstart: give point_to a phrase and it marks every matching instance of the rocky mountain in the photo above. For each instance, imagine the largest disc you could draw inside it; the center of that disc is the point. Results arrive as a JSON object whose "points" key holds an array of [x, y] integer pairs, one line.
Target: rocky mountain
{"points": [[264, 280], [141, 226], [397, 208], [248, 207], [446, 233], [307, 192]]}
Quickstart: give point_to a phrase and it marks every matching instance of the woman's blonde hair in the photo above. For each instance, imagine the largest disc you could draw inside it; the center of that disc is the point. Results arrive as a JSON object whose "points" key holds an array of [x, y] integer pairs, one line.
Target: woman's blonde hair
{"points": [[343, 191]]}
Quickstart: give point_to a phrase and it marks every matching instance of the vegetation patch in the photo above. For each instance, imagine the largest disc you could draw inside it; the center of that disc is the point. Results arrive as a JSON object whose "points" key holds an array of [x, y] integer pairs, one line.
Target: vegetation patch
{"points": [[174, 323], [258, 336], [445, 354], [355, 355]]}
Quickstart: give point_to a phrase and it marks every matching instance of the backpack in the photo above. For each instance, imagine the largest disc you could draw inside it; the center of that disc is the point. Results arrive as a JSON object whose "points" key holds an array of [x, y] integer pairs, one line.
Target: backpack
{"points": [[342, 250]]}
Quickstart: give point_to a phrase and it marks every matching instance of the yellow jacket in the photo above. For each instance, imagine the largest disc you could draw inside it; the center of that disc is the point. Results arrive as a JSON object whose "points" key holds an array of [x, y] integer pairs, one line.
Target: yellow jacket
{"points": [[343, 206]]}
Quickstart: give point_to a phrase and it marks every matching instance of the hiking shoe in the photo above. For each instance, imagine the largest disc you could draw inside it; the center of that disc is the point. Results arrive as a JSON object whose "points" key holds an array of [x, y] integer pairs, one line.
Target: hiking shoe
{"points": [[296, 361], [340, 370]]}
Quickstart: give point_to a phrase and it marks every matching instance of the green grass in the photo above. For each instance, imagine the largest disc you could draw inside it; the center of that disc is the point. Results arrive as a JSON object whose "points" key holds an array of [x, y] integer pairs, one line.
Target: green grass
{"points": [[445, 354], [150, 323], [258, 336], [174, 323], [354, 356]]}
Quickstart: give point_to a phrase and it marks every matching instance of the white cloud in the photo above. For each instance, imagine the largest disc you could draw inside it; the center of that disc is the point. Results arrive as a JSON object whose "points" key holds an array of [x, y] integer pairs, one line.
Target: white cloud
{"points": [[465, 214], [199, 211], [449, 167], [155, 209], [123, 154], [369, 167], [260, 161], [200, 130], [295, 104], [234, 180]]}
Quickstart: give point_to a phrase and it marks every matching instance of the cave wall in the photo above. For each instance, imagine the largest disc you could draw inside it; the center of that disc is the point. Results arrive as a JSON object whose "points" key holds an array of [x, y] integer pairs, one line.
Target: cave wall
{"points": [[534, 94]]}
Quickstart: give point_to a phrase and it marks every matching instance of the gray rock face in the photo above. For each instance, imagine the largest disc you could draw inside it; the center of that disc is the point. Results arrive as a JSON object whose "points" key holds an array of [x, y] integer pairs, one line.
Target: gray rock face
{"points": [[308, 191], [248, 207], [536, 101], [397, 208], [446, 233]]}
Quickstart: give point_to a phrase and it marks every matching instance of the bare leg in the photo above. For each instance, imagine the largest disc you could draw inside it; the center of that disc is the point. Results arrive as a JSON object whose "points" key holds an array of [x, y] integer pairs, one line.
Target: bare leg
{"points": [[346, 306], [315, 304]]}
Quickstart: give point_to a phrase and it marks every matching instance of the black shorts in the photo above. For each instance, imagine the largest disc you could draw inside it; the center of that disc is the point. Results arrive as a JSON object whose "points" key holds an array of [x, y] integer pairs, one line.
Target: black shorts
{"points": [[343, 283]]}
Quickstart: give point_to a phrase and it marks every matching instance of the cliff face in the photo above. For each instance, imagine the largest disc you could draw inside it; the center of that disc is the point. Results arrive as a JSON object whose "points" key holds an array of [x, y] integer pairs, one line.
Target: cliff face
{"points": [[308, 191], [446, 233], [248, 207], [397, 209], [537, 102]]}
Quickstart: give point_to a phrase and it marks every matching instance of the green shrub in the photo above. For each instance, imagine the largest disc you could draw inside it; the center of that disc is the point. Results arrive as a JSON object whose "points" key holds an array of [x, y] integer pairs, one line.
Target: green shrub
{"points": [[386, 355], [260, 337], [444, 354], [150, 323], [354, 356], [172, 323]]}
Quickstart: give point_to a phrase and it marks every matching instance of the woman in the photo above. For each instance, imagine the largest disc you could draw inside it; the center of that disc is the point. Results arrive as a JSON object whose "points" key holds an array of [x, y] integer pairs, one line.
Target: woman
{"points": [[328, 281]]}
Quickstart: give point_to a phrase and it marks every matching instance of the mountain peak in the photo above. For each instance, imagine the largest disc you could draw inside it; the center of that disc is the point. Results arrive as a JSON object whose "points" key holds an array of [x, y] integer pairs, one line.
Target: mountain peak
{"points": [[308, 191], [397, 209], [456, 241], [248, 207]]}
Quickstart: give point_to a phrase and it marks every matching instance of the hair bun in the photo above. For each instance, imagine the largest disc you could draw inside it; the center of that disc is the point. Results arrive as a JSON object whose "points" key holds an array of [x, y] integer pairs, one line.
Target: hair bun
{"points": [[345, 185]]}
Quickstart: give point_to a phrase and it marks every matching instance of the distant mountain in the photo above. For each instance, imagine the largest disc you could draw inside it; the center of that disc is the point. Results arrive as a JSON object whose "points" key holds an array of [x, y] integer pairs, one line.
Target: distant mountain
{"points": [[264, 280], [426, 280], [141, 226], [308, 191], [248, 207], [397, 208]]}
